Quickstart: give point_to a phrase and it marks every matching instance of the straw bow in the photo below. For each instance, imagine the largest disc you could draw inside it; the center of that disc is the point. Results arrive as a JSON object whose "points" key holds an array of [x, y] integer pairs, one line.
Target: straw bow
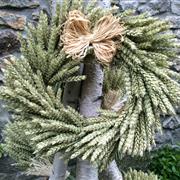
{"points": [[78, 38]]}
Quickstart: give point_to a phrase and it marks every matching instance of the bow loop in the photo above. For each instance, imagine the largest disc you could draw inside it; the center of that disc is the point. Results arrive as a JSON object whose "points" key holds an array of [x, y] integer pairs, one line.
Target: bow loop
{"points": [[77, 36]]}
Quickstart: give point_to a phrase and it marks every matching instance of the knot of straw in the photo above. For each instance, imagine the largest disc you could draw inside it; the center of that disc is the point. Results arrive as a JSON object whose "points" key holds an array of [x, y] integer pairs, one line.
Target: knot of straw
{"points": [[77, 36]]}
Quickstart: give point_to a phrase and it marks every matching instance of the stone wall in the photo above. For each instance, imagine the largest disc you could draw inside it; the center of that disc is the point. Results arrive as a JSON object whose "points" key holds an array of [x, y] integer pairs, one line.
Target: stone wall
{"points": [[14, 16], [169, 10]]}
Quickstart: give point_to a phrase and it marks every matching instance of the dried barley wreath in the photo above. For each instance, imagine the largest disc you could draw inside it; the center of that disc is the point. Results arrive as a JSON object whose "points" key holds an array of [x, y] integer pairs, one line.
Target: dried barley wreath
{"points": [[136, 51]]}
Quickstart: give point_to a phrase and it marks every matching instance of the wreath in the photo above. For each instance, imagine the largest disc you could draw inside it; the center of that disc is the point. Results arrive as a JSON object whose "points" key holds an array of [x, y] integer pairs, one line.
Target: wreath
{"points": [[136, 52]]}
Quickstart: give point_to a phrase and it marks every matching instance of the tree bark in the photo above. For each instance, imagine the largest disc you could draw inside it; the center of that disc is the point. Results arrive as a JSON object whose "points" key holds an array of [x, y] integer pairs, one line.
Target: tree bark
{"points": [[59, 168], [112, 172], [70, 98], [90, 103]]}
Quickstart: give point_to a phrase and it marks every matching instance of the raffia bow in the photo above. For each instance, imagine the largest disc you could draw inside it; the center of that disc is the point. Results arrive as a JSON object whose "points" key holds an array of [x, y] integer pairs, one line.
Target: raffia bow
{"points": [[77, 37]]}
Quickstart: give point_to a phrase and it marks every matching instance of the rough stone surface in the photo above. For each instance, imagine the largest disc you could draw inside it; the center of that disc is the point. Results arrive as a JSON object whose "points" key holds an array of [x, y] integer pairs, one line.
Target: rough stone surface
{"points": [[154, 7], [13, 21], [8, 41], [143, 1], [171, 131], [19, 3], [4, 117], [13, 16], [35, 15], [164, 138], [175, 6], [131, 4], [177, 33], [171, 123], [160, 5], [145, 8], [175, 20], [176, 66], [176, 136]]}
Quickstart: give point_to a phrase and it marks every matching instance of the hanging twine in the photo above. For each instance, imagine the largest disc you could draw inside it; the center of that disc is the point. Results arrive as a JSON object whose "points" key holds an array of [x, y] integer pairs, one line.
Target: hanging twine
{"points": [[78, 38]]}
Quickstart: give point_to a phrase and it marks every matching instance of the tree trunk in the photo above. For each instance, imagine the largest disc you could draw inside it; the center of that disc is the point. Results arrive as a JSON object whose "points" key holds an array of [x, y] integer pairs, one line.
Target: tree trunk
{"points": [[112, 172], [90, 103], [59, 168], [71, 98]]}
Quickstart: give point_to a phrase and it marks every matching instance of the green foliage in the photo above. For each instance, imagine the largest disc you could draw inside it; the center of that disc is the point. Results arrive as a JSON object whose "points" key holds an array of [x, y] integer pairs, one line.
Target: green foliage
{"points": [[43, 56], [149, 85], [39, 167], [139, 175], [165, 162], [1, 151], [36, 106], [18, 144], [34, 86], [112, 80], [71, 177]]}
